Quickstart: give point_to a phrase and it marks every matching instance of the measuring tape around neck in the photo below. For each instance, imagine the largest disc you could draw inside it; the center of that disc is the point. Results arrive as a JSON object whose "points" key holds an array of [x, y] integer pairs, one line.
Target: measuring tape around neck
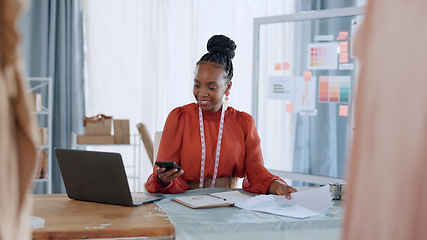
{"points": [[218, 147]]}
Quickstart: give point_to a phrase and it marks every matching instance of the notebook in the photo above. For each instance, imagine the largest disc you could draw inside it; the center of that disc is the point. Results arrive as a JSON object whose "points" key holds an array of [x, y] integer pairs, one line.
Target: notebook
{"points": [[213, 200], [98, 177]]}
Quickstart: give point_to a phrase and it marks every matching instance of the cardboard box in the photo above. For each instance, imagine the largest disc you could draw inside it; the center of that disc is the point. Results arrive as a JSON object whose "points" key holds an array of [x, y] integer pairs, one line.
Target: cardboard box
{"points": [[121, 131], [98, 126], [37, 101], [84, 139]]}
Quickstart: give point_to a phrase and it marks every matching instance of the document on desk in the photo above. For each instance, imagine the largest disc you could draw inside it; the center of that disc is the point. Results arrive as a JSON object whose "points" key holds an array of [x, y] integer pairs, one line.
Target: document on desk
{"points": [[213, 200], [303, 204]]}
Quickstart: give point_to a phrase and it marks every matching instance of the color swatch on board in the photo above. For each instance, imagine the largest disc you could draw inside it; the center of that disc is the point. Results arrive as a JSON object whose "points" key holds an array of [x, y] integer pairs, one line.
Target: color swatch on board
{"points": [[334, 89], [323, 90], [322, 56], [345, 91]]}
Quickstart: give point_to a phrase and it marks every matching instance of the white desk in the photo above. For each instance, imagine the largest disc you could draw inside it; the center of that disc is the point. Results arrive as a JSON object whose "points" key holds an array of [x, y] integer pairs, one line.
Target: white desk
{"points": [[235, 223]]}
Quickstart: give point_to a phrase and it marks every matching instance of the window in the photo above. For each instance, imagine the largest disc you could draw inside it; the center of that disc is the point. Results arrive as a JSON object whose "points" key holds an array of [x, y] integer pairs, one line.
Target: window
{"points": [[304, 82]]}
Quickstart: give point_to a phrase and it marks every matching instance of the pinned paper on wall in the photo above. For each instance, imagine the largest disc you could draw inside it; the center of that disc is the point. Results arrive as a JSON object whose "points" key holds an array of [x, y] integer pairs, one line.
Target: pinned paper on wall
{"points": [[343, 110], [346, 66], [281, 88], [334, 89], [277, 67], [289, 108], [286, 66], [319, 38], [322, 56], [342, 35], [307, 75], [305, 96]]}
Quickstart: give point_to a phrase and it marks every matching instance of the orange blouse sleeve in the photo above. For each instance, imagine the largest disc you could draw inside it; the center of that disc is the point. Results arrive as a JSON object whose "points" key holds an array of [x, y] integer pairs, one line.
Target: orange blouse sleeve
{"points": [[258, 179], [169, 150]]}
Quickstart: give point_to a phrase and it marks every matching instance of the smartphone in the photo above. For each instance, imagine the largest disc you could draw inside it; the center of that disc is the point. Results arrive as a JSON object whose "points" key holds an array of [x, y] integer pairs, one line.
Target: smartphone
{"points": [[168, 165]]}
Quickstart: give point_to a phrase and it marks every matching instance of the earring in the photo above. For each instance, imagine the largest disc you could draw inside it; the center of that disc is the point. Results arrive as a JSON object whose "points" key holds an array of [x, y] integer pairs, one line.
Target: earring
{"points": [[226, 100]]}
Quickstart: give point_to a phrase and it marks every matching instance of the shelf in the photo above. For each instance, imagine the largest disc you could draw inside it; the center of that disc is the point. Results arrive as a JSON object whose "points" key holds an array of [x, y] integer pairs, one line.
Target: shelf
{"points": [[41, 180], [41, 113], [44, 111], [39, 79], [43, 86]]}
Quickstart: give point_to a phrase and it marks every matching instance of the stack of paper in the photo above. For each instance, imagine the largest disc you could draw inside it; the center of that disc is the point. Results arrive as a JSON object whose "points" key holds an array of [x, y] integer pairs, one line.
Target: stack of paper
{"points": [[302, 205]]}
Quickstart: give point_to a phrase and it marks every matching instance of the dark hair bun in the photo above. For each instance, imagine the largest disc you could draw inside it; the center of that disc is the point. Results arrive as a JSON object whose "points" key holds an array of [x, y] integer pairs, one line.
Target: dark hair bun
{"points": [[222, 44]]}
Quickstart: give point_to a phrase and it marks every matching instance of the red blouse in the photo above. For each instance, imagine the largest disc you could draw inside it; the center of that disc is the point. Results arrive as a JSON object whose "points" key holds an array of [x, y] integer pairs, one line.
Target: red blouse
{"points": [[240, 154]]}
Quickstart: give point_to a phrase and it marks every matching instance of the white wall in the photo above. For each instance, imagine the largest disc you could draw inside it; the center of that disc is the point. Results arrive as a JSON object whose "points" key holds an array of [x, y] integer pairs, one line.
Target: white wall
{"points": [[141, 54]]}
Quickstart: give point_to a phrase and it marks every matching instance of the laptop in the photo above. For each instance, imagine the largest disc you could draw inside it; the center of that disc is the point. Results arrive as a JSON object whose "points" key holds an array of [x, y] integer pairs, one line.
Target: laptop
{"points": [[98, 177]]}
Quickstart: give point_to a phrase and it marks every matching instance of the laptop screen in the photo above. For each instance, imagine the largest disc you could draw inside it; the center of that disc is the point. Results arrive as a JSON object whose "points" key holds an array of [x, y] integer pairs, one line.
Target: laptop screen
{"points": [[94, 176]]}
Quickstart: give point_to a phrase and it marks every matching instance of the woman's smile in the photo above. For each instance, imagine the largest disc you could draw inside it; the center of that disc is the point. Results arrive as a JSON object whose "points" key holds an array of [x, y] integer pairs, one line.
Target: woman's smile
{"points": [[204, 102]]}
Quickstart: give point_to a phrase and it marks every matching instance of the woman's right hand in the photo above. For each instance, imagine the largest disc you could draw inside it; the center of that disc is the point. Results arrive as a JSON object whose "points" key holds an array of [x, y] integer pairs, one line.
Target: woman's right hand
{"points": [[164, 177]]}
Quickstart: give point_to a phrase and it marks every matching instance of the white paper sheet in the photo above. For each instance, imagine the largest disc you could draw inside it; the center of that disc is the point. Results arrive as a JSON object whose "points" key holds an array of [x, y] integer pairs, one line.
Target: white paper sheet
{"points": [[232, 196], [303, 204], [305, 96], [37, 222], [221, 199], [281, 88], [322, 56]]}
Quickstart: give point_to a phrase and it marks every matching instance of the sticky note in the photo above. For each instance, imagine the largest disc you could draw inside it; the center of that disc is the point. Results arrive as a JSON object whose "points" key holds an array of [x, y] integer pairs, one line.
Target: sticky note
{"points": [[278, 66], [343, 47], [289, 108], [342, 35], [343, 58], [307, 75], [343, 110], [286, 66]]}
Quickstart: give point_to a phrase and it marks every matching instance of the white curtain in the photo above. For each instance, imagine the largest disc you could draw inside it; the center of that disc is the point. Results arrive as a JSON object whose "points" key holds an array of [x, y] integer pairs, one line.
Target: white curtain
{"points": [[141, 55]]}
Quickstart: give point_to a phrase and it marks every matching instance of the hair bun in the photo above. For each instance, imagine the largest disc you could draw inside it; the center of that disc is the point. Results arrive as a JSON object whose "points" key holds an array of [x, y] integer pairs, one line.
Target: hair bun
{"points": [[222, 44]]}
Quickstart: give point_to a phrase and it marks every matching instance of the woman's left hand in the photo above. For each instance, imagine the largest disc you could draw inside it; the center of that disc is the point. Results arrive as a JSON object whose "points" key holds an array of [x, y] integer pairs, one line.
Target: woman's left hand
{"points": [[282, 189]]}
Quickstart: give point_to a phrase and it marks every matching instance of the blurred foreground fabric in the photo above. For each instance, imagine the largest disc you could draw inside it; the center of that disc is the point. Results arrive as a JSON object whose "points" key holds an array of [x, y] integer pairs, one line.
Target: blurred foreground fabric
{"points": [[17, 131], [387, 170]]}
